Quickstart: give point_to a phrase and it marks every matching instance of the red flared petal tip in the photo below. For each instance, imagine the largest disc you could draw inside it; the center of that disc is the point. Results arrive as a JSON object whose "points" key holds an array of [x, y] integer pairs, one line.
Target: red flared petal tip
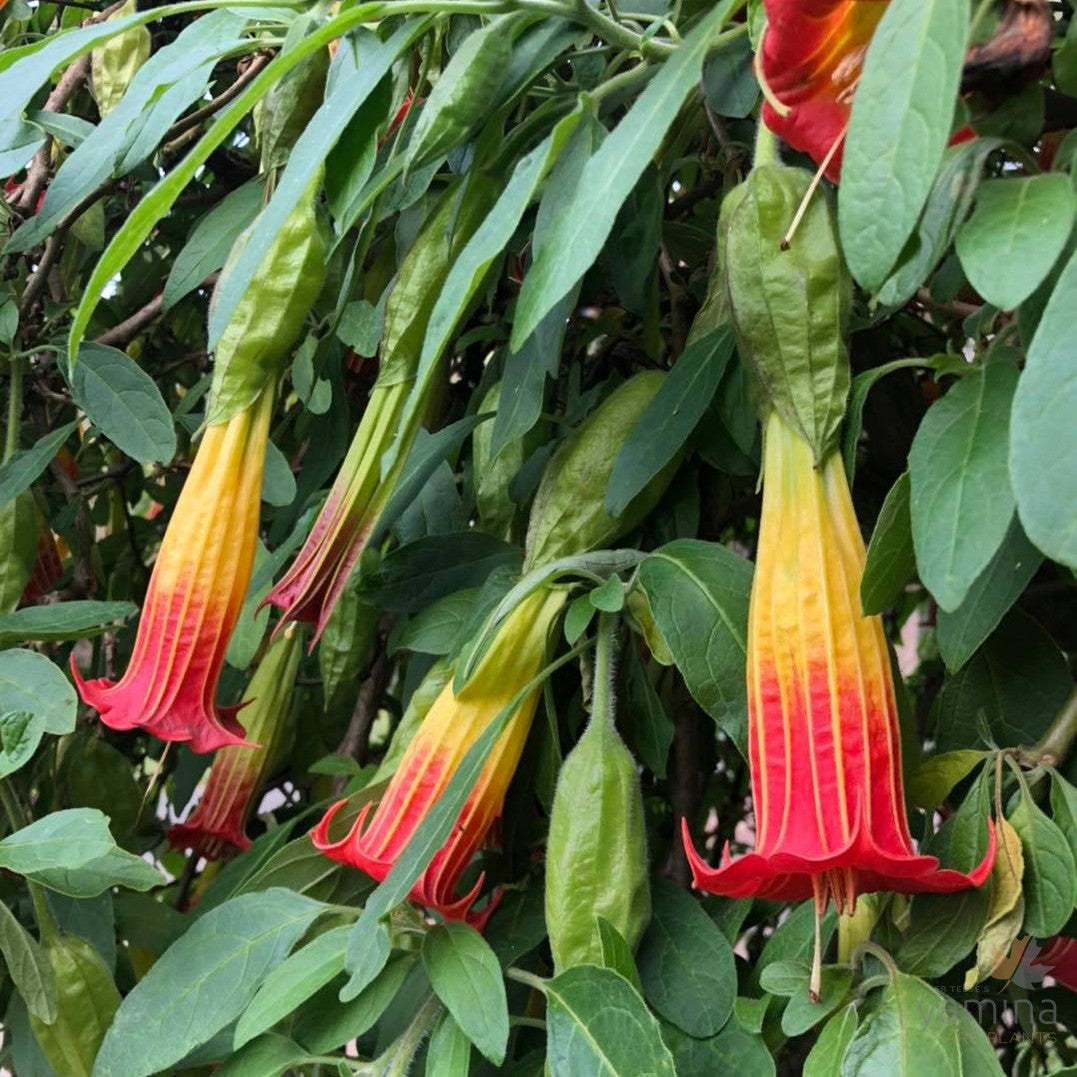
{"points": [[788, 877], [348, 850]]}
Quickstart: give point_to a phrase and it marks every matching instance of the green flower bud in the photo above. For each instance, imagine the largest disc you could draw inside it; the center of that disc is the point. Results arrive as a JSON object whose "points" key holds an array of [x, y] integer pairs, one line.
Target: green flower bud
{"points": [[568, 516]]}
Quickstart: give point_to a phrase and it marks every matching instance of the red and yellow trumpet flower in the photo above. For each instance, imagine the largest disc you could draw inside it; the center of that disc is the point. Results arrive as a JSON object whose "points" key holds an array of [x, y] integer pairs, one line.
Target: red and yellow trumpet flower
{"points": [[309, 590], [199, 582], [218, 822], [809, 65], [451, 727], [824, 744]]}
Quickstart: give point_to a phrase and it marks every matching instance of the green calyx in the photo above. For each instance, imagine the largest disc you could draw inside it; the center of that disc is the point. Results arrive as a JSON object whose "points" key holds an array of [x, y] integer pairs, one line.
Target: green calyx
{"points": [[789, 299], [270, 317]]}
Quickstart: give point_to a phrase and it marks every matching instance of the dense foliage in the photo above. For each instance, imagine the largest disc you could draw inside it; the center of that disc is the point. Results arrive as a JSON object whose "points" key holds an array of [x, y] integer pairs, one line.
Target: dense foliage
{"points": [[407, 663]]}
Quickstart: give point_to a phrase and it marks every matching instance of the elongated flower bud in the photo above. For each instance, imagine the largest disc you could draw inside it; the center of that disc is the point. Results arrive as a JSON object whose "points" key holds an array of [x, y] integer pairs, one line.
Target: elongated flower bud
{"points": [[235, 779], [823, 726], [451, 727]]}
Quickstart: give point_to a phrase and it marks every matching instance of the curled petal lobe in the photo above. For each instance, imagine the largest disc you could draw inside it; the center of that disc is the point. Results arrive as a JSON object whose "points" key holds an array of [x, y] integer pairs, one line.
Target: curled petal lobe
{"points": [[375, 841], [824, 745], [195, 595]]}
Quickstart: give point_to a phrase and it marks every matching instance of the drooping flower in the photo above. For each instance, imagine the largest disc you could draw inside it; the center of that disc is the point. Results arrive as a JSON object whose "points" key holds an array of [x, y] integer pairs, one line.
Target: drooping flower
{"points": [[450, 728], [309, 590], [824, 745], [196, 591], [809, 65], [218, 822]]}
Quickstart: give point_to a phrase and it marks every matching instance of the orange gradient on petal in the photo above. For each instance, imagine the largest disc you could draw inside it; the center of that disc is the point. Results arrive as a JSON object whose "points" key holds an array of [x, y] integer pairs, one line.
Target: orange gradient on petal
{"points": [[824, 744], [195, 594], [452, 725]]}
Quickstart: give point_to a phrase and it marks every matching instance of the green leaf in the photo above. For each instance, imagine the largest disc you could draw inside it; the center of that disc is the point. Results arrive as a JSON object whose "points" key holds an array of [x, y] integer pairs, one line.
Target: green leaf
{"points": [[686, 964], [449, 1053], [699, 596], [117, 867], [801, 1013], [413, 576], [900, 123], [428, 453], [944, 929], [27, 967], [20, 734], [828, 1052], [930, 785], [325, 1023], [597, 1025], [1064, 808], [311, 148], [908, 1034], [734, 1052], [669, 419], [961, 631], [518, 924], [1020, 227], [203, 981], [891, 559], [946, 209], [644, 720], [62, 621], [485, 245], [610, 597], [977, 1051], [466, 976], [270, 1055], [1043, 451], [278, 482], [616, 953], [462, 95], [142, 220], [293, 982], [577, 237], [858, 395], [211, 239], [794, 937], [435, 629], [62, 839], [124, 403], [1050, 882], [365, 957], [18, 473], [1018, 681], [960, 496]]}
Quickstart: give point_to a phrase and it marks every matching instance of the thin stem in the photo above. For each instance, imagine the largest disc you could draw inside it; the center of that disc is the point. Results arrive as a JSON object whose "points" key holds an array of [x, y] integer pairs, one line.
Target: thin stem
{"points": [[877, 952], [602, 689], [400, 1055], [1056, 743], [522, 976], [766, 146], [46, 922], [14, 408]]}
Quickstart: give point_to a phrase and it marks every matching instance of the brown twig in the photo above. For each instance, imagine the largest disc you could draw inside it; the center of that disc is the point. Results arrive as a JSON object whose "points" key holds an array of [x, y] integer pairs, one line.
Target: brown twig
{"points": [[180, 133], [356, 739], [38, 173], [82, 573], [130, 327]]}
